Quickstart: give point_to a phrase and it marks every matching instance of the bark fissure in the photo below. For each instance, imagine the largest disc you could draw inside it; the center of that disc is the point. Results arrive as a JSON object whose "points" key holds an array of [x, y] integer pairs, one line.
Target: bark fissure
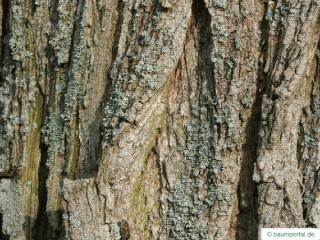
{"points": [[40, 228], [307, 148], [2, 235], [5, 5], [188, 211], [247, 220], [162, 119], [287, 70]]}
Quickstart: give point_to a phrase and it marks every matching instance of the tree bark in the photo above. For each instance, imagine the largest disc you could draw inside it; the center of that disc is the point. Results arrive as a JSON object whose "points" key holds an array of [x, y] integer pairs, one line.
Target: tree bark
{"points": [[163, 119]]}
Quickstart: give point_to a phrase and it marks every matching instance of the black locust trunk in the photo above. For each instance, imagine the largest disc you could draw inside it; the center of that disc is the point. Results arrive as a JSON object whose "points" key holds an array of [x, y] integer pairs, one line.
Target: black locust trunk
{"points": [[160, 119]]}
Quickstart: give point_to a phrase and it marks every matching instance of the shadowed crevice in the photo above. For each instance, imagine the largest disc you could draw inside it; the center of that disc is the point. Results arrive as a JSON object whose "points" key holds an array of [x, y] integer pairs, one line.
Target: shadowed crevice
{"points": [[39, 230], [2, 235], [48, 225], [190, 220], [95, 137], [5, 28], [247, 219], [307, 145], [57, 233]]}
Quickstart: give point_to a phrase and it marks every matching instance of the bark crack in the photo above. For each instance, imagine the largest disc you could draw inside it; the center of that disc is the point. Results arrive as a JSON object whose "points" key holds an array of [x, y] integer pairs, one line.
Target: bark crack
{"points": [[41, 224], [2, 235]]}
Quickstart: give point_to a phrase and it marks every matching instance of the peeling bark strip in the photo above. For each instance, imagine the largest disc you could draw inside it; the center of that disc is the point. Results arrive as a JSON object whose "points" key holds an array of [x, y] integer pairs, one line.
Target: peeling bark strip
{"points": [[169, 119]]}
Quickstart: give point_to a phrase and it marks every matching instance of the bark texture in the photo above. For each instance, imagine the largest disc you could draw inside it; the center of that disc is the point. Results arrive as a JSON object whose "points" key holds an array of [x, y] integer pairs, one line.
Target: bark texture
{"points": [[159, 119]]}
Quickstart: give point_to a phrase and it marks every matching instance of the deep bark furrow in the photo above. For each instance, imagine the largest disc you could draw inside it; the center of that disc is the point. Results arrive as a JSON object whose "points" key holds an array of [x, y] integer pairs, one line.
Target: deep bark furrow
{"points": [[40, 229], [180, 119], [286, 88], [2, 235], [308, 148]]}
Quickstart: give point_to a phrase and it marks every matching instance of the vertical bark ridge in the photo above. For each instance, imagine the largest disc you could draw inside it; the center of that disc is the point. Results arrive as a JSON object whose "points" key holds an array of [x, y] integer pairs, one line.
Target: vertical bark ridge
{"points": [[308, 148], [247, 220], [291, 45], [133, 113], [158, 119], [189, 200]]}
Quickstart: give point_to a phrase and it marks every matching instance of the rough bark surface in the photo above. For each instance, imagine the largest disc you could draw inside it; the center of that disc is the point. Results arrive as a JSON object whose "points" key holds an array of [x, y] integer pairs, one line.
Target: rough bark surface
{"points": [[160, 119]]}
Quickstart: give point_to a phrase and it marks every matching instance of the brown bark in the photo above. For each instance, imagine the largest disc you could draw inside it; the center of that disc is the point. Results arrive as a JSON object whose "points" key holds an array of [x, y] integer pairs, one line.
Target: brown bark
{"points": [[168, 119]]}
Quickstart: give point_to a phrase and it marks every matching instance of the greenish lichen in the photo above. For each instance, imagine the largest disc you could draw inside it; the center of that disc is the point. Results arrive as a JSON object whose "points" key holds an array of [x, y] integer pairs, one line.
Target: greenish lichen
{"points": [[115, 231], [10, 204], [17, 37], [62, 32], [220, 3], [186, 204], [310, 141], [220, 26], [16, 90], [144, 39], [52, 136], [138, 202], [144, 77], [247, 101], [237, 43], [79, 64]]}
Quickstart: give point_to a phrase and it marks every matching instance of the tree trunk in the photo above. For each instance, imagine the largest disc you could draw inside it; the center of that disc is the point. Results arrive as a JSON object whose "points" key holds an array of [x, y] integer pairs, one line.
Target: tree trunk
{"points": [[162, 119]]}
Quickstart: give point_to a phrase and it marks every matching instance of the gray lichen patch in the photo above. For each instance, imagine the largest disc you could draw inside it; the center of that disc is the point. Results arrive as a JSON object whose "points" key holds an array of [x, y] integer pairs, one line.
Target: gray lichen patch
{"points": [[115, 231], [189, 206], [10, 207], [80, 62], [17, 39], [52, 136], [279, 159], [154, 107], [220, 3], [149, 71], [308, 152], [63, 30]]}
